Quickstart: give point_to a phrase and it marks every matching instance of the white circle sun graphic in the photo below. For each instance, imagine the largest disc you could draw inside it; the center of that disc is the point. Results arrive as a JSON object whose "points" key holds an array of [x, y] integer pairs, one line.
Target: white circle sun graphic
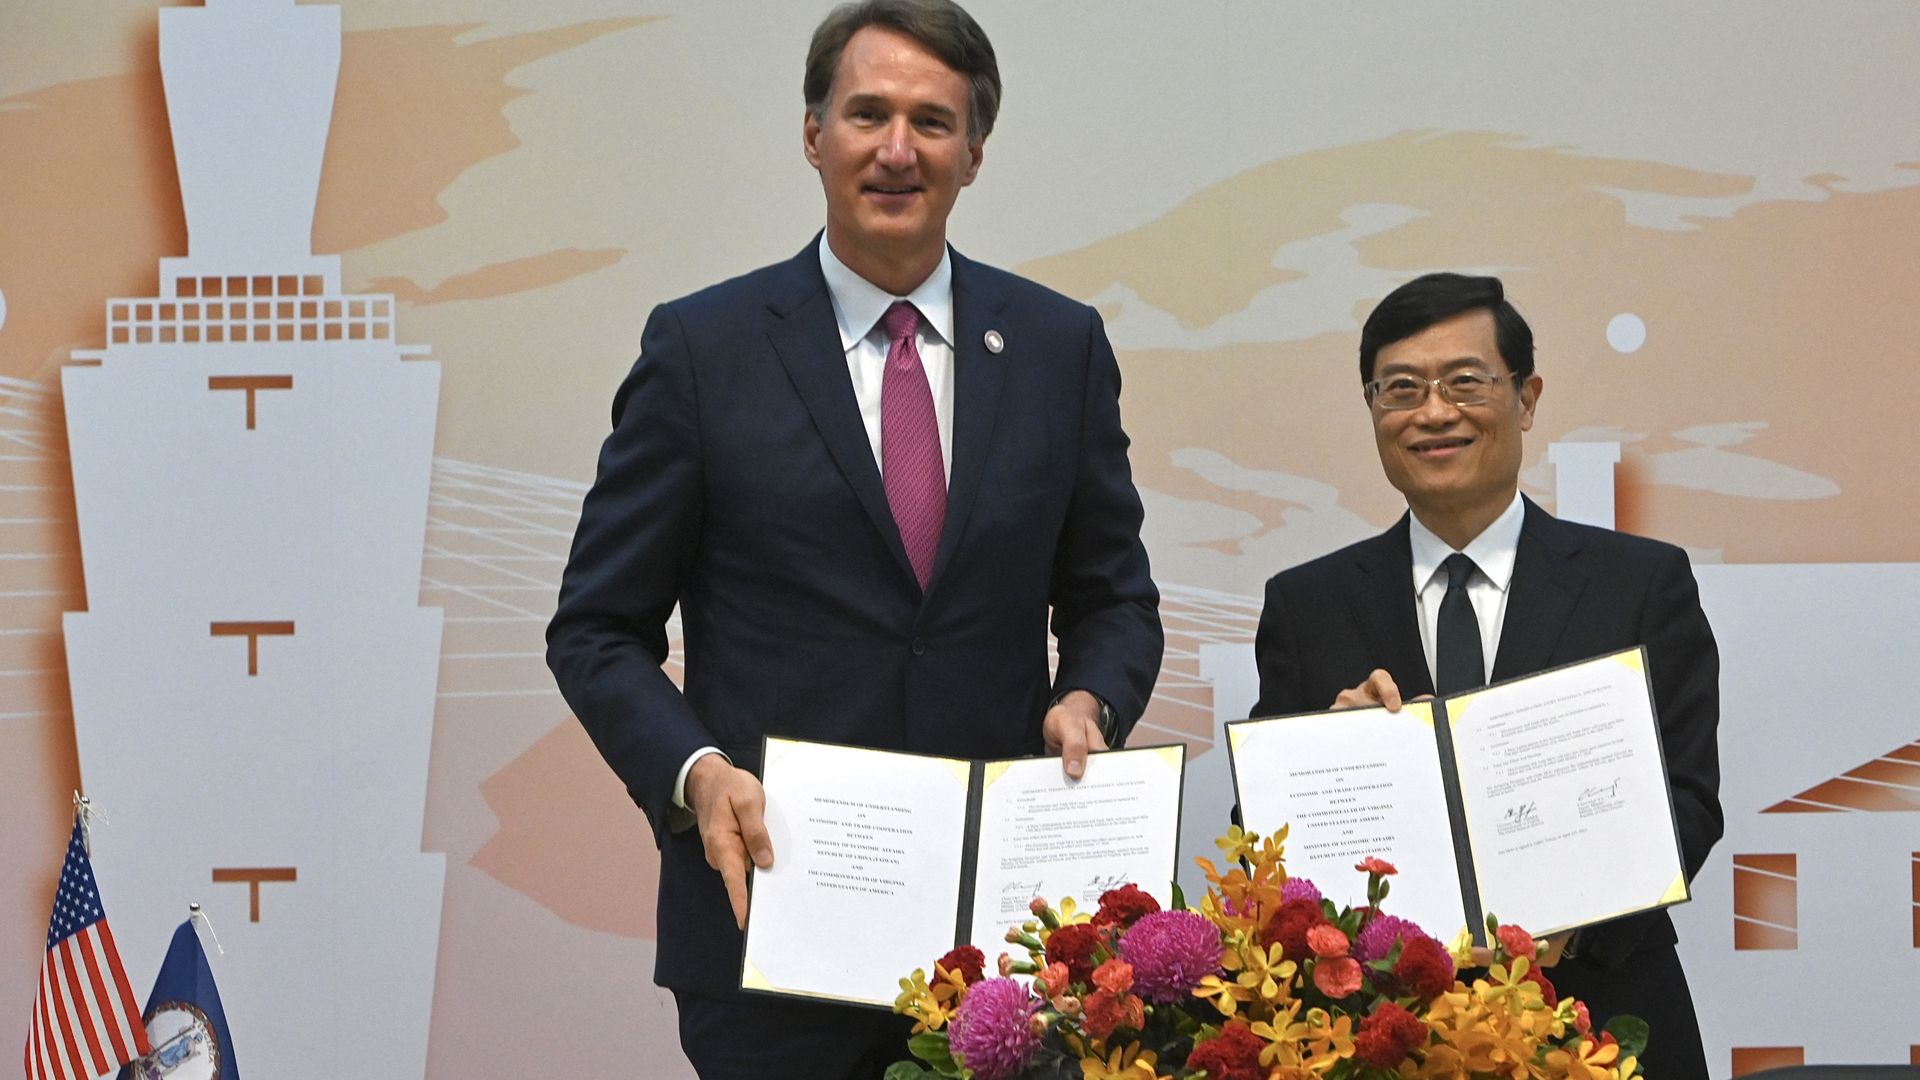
{"points": [[1626, 333]]}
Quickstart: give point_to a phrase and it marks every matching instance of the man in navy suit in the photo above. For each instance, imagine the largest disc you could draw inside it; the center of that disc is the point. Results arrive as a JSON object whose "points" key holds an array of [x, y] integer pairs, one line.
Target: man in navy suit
{"points": [[872, 478], [1447, 367]]}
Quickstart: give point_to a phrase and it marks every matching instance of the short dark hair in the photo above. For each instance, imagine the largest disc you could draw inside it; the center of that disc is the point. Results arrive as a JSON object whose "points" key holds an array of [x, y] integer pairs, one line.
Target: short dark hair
{"points": [[943, 26], [1434, 298]]}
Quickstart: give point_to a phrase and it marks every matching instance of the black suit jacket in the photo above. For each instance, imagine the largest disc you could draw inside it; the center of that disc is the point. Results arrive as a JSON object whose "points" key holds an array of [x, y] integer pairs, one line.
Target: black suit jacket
{"points": [[1576, 592], [738, 483]]}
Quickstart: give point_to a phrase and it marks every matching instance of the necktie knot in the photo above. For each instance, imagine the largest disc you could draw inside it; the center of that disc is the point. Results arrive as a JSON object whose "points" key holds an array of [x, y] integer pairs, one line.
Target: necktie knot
{"points": [[1459, 570], [901, 320]]}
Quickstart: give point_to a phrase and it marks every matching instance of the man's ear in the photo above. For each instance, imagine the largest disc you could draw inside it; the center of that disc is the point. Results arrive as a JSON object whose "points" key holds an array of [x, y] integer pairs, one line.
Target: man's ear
{"points": [[810, 138], [976, 148], [1529, 397]]}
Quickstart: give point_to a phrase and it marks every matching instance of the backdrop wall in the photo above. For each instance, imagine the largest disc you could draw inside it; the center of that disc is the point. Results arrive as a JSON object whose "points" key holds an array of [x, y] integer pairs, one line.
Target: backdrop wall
{"points": [[1706, 211]]}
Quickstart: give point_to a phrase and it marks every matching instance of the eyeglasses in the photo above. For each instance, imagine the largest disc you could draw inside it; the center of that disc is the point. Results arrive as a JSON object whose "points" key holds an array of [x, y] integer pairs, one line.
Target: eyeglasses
{"points": [[1396, 393]]}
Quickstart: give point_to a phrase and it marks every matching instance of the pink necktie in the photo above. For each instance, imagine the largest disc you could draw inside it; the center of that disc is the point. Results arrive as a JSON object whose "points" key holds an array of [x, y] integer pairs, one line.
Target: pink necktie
{"points": [[910, 464]]}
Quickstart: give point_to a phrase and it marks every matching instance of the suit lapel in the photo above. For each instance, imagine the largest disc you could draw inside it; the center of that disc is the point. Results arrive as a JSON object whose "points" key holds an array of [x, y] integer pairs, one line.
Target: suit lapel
{"points": [[1386, 609], [1546, 583], [978, 376], [806, 337]]}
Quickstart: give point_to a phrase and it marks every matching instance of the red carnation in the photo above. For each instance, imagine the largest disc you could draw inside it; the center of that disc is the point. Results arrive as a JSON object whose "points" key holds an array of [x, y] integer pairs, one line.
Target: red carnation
{"points": [[1337, 976], [1516, 941], [1234, 1054], [1539, 978], [1113, 1005], [1425, 967], [1290, 925], [1375, 865], [1327, 940], [1073, 945], [1387, 1035], [1124, 906], [970, 962]]}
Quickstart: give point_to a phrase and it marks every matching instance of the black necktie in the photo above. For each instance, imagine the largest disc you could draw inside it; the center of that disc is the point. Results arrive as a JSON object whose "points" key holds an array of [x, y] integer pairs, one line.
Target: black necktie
{"points": [[1457, 658]]}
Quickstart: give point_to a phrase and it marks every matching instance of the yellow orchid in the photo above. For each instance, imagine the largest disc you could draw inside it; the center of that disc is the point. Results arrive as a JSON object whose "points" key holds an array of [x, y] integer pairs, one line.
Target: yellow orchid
{"points": [[1125, 1063], [1462, 949], [951, 986], [1284, 1037], [1266, 971], [1238, 845], [1329, 1040], [1070, 912], [928, 1008], [1591, 1059], [1507, 986], [1226, 994]]}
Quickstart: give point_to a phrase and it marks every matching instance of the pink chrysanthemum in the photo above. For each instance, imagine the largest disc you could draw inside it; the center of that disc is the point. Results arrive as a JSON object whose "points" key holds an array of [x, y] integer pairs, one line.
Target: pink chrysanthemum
{"points": [[991, 1033], [1377, 937], [1299, 888], [1171, 952]]}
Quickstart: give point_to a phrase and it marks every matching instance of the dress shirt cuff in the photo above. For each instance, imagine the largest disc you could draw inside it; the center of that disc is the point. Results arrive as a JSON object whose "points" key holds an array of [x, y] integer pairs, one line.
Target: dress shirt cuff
{"points": [[680, 781]]}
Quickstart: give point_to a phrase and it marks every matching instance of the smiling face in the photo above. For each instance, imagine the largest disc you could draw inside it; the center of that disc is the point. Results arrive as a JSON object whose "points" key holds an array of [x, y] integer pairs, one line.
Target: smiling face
{"points": [[892, 149], [1458, 466]]}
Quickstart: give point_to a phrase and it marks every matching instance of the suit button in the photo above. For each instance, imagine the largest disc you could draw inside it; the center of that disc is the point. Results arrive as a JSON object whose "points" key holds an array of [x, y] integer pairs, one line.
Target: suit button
{"points": [[919, 646]]}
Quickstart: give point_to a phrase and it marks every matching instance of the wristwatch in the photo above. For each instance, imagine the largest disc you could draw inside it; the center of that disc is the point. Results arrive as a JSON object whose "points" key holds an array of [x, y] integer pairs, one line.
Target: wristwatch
{"points": [[1108, 720], [1109, 723]]}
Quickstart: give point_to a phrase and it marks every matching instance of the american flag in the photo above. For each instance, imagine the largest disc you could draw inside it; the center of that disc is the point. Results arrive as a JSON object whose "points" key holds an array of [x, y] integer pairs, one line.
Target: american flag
{"points": [[85, 1023]]}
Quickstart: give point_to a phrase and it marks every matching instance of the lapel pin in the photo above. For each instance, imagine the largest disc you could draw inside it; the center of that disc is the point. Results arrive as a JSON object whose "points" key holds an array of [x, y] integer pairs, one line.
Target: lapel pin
{"points": [[995, 342]]}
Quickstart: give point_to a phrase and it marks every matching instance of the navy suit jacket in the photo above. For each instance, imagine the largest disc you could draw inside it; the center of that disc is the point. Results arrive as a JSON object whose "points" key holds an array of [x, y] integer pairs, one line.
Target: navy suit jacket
{"points": [[1577, 592], [738, 483]]}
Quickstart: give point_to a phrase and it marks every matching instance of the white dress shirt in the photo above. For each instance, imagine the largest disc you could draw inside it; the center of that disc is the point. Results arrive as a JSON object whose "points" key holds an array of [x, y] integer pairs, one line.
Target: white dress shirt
{"points": [[858, 305], [1492, 552]]}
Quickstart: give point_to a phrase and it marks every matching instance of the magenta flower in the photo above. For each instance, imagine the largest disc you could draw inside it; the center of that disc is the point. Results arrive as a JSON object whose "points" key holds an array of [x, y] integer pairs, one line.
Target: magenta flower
{"points": [[1299, 888], [991, 1033], [1171, 952], [1377, 937]]}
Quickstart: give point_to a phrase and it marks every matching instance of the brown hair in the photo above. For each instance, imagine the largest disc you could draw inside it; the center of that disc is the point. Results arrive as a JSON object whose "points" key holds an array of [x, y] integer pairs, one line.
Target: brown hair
{"points": [[944, 27]]}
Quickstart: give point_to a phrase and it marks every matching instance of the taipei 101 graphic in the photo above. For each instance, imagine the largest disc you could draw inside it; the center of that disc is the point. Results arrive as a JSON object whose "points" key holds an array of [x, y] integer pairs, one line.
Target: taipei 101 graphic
{"points": [[253, 677]]}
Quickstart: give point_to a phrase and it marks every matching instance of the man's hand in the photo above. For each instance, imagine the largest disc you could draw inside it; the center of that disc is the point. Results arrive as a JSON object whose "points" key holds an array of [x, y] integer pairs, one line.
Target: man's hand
{"points": [[1072, 728], [1378, 689], [730, 806]]}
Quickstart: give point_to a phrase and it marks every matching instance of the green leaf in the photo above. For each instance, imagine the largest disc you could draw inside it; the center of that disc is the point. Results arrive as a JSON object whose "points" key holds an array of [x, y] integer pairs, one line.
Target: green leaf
{"points": [[906, 1070], [931, 1047], [1179, 898], [1493, 926], [1632, 1033]]}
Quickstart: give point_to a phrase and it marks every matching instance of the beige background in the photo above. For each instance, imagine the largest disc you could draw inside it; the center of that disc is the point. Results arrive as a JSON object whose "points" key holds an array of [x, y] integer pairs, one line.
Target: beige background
{"points": [[1232, 184]]}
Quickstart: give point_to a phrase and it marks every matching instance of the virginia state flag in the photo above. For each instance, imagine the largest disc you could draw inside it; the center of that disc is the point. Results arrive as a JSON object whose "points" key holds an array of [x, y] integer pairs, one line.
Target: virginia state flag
{"points": [[185, 1023]]}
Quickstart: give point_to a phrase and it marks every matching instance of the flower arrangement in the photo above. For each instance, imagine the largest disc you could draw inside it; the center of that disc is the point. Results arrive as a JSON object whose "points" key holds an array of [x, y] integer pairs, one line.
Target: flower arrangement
{"points": [[1266, 980]]}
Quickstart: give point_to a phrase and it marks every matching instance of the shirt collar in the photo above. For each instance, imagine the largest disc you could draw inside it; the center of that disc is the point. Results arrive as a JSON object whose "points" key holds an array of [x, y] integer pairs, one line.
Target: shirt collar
{"points": [[1492, 551], [858, 303]]}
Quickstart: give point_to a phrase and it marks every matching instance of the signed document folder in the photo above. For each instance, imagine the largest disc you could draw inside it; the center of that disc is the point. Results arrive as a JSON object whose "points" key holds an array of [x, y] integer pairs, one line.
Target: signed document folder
{"points": [[885, 861], [1541, 800]]}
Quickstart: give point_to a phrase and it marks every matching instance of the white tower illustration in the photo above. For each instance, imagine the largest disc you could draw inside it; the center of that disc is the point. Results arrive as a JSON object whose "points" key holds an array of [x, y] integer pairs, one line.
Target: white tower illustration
{"points": [[253, 678]]}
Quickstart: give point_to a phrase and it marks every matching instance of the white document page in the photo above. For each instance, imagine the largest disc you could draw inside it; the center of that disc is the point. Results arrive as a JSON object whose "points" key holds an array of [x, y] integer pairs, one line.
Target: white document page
{"points": [[1566, 795], [865, 882], [1354, 783], [1044, 835]]}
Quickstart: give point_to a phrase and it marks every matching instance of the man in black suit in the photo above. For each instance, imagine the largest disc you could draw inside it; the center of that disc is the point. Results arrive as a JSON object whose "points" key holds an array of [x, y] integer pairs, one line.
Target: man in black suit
{"points": [[1447, 368], [866, 476]]}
